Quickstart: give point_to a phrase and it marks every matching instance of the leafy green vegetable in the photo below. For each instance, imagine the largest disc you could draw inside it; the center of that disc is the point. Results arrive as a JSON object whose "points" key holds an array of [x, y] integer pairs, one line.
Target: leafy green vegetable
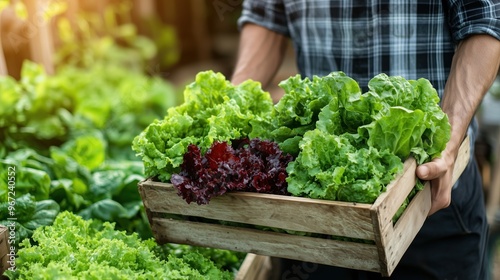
{"points": [[29, 214], [349, 145], [69, 136], [334, 103], [331, 167], [10, 94], [88, 151], [213, 110], [298, 110], [359, 141], [46, 111], [31, 174], [73, 248], [223, 259], [422, 129], [400, 136]]}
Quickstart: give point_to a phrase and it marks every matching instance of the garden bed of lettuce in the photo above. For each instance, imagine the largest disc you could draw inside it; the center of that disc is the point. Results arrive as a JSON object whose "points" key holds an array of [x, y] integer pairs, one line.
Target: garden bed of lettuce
{"points": [[65, 140], [68, 139]]}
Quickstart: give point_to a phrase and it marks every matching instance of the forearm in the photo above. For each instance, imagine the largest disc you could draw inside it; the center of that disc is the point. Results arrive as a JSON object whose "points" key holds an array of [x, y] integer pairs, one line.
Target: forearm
{"points": [[474, 67], [260, 54], [473, 71]]}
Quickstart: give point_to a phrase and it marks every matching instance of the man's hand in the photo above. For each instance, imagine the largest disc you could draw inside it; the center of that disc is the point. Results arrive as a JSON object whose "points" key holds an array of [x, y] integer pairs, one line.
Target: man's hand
{"points": [[473, 70], [440, 173]]}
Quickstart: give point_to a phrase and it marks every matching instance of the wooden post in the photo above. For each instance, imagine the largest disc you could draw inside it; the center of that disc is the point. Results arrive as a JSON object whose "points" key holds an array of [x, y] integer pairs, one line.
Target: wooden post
{"points": [[493, 199], [3, 64], [41, 44], [145, 8], [144, 12], [72, 13], [4, 251], [200, 29]]}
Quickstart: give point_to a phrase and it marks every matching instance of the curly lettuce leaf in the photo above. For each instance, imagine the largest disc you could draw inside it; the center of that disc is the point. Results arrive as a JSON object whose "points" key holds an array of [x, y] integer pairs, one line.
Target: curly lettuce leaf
{"points": [[360, 141], [73, 248], [299, 109], [223, 259], [437, 126], [213, 110], [410, 123], [393, 90], [330, 167]]}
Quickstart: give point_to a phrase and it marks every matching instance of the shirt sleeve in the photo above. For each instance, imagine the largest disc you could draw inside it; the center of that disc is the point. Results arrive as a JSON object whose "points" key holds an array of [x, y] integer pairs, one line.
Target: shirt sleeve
{"points": [[269, 14], [474, 17]]}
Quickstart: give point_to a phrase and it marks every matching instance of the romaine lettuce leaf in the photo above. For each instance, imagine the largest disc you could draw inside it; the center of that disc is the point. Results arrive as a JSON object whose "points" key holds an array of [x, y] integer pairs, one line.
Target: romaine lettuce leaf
{"points": [[398, 130]]}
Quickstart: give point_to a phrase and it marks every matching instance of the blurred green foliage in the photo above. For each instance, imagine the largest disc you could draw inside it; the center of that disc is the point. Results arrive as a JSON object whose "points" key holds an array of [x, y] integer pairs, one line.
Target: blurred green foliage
{"points": [[69, 137]]}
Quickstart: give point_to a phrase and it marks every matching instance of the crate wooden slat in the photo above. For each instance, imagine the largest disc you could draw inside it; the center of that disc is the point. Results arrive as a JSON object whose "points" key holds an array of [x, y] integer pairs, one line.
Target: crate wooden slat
{"points": [[255, 267], [269, 243], [372, 222], [3, 64], [4, 250], [395, 239], [293, 213]]}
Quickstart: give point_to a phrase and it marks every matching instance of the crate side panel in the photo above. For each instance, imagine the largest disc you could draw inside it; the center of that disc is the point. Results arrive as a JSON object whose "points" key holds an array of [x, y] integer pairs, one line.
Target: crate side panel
{"points": [[462, 159], [4, 249], [292, 213], [317, 250], [388, 203], [407, 227], [255, 267], [386, 206], [393, 241]]}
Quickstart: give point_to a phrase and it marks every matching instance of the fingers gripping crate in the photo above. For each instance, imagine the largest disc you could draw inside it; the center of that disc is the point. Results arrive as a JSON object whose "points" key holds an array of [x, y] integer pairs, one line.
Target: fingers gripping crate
{"points": [[384, 242]]}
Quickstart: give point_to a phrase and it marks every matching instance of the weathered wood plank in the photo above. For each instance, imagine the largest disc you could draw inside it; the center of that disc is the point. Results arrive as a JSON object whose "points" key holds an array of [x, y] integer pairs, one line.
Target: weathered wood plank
{"points": [[402, 234], [255, 267], [462, 160], [293, 213], [4, 249], [386, 206], [318, 250], [3, 64], [393, 241], [388, 203]]}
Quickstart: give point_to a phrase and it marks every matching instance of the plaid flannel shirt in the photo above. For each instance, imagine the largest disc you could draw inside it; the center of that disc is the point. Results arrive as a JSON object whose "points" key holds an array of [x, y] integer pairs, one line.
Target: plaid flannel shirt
{"points": [[363, 38], [413, 39]]}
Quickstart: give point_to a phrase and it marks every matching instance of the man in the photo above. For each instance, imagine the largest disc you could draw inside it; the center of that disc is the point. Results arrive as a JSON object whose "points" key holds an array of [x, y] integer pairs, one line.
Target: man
{"points": [[454, 44]]}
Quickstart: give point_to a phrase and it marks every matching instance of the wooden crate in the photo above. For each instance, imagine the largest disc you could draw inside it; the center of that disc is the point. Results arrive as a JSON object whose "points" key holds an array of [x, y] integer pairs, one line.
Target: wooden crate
{"points": [[4, 250], [255, 267], [372, 222]]}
